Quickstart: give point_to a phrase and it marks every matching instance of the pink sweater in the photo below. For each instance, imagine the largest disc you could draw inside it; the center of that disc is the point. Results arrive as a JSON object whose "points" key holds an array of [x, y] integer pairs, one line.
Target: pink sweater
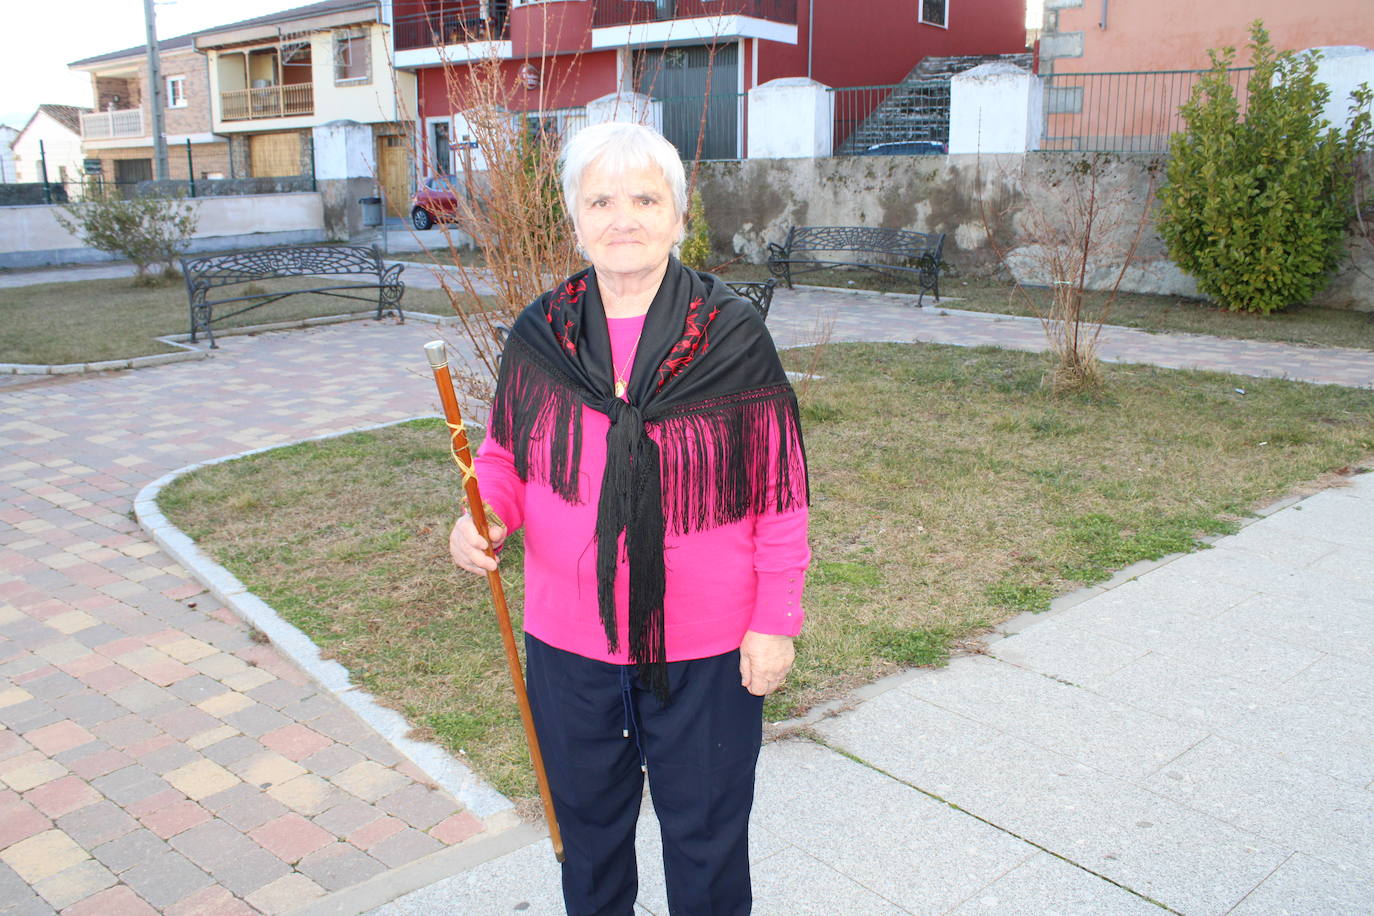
{"points": [[747, 575]]}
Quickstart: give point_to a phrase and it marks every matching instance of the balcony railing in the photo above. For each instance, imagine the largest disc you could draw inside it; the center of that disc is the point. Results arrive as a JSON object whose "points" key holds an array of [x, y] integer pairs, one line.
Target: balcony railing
{"points": [[267, 102], [451, 23], [633, 12], [112, 125]]}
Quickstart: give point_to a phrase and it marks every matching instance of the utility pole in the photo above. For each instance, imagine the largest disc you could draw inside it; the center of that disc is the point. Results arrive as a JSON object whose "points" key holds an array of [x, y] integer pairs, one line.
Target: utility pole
{"points": [[155, 95]]}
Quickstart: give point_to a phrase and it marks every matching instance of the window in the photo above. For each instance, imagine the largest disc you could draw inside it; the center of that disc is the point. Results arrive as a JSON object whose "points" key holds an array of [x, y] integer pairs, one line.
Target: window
{"points": [[935, 12], [176, 92], [440, 151], [351, 61]]}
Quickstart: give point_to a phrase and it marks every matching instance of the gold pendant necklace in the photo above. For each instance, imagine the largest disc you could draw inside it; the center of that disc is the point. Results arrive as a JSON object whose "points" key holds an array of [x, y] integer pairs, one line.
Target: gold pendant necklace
{"points": [[620, 383]]}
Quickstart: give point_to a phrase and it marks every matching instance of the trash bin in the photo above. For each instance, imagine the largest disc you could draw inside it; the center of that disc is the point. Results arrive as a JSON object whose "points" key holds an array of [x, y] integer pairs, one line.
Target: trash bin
{"points": [[372, 210]]}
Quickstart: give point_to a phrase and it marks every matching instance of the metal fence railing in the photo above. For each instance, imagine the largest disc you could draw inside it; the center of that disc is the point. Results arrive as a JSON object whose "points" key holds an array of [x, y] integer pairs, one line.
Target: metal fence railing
{"points": [[1133, 112], [191, 177], [713, 125], [627, 12], [910, 117]]}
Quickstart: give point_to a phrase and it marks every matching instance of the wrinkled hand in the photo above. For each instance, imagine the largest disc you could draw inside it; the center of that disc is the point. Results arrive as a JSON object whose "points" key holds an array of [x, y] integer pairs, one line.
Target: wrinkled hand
{"points": [[469, 548], [764, 660]]}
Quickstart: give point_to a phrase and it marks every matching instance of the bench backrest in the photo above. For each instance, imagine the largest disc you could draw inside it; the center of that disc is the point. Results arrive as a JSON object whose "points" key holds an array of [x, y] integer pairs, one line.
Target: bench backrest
{"points": [[269, 263], [863, 238]]}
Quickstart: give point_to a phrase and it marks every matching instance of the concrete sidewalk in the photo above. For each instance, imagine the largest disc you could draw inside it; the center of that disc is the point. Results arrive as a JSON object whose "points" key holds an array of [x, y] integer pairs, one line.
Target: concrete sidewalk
{"points": [[1197, 736], [1198, 739]]}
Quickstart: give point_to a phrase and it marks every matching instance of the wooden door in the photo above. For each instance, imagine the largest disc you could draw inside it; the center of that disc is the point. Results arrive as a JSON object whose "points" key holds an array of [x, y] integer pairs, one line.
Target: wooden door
{"points": [[393, 173], [275, 155]]}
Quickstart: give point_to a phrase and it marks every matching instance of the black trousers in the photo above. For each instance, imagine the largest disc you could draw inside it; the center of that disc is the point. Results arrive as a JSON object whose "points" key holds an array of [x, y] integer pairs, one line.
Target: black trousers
{"points": [[600, 730]]}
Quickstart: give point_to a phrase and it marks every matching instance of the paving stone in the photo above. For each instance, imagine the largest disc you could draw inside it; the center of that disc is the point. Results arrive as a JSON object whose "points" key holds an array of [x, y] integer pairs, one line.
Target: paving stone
{"points": [[168, 758], [256, 720], [212, 901], [331, 760], [126, 731], [145, 699], [201, 778], [89, 708], [58, 737], [1048, 884], [338, 865], [369, 780], [75, 883], [348, 816], [457, 828], [96, 824], [285, 894], [62, 796], [245, 807], [233, 750], [308, 794], [382, 828], [42, 855], [291, 837], [406, 846], [267, 769], [29, 770], [165, 878], [197, 689], [185, 721], [172, 819], [418, 806], [131, 784], [1304, 885], [119, 900], [128, 850], [296, 741], [20, 821]]}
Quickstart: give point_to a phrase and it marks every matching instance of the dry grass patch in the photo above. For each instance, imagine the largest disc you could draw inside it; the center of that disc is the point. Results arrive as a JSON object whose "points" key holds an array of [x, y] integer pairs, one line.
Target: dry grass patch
{"points": [[93, 320], [949, 491]]}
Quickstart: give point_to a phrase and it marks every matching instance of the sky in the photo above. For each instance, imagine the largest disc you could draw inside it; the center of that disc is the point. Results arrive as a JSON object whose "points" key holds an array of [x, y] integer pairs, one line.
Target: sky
{"points": [[33, 69]]}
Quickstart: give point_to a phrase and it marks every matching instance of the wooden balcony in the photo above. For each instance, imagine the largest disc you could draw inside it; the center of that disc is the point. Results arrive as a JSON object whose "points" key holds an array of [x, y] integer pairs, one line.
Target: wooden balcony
{"points": [[267, 102], [112, 125]]}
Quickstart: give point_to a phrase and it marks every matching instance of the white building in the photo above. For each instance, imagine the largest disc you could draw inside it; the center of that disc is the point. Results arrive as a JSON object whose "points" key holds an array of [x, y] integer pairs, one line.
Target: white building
{"points": [[54, 133]]}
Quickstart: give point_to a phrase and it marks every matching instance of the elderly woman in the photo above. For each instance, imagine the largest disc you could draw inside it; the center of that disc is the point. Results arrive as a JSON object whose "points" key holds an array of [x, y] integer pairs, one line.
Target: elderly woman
{"points": [[644, 434]]}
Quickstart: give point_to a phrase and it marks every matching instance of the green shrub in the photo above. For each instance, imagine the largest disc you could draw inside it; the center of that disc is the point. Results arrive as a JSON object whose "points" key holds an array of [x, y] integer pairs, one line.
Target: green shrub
{"points": [[696, 246], [148, 231], [1257, 204]]}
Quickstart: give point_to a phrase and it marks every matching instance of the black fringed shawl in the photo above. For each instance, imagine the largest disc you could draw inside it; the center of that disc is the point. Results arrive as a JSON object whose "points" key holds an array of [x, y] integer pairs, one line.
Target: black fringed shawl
{"points": [[706, 381]]}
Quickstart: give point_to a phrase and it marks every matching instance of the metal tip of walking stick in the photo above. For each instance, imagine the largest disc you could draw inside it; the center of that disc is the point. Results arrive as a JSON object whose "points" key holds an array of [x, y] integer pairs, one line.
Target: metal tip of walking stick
{"points": [[438, 356]]}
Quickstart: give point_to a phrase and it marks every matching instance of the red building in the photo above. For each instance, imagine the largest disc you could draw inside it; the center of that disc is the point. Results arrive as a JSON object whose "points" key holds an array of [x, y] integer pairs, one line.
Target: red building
{"points": [[698, 58]]}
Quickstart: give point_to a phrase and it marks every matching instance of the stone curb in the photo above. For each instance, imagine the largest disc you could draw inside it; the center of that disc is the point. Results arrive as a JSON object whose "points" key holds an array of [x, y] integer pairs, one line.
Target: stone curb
{"points": [[452, 775], [421, 873], [198, 353]]}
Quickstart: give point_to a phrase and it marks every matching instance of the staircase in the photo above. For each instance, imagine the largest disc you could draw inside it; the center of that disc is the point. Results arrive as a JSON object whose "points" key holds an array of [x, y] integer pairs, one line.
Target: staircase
{"points": [[918, 108]]}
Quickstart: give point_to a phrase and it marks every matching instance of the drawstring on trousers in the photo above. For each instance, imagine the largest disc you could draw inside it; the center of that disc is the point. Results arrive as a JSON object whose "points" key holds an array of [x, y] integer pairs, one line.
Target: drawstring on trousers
{"points": [[630, 724]]}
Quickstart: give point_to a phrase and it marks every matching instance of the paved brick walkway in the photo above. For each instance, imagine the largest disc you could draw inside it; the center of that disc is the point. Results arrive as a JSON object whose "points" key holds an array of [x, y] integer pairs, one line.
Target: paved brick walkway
{"points": [[155, 758]]}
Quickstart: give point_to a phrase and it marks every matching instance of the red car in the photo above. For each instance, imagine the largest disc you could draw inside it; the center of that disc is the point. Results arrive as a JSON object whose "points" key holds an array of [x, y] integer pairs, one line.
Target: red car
{"points": [[436, 200]]}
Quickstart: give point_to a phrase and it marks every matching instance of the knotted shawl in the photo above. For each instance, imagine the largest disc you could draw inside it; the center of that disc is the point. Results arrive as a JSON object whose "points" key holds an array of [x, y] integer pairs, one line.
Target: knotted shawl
{"points": [[709, 434]]}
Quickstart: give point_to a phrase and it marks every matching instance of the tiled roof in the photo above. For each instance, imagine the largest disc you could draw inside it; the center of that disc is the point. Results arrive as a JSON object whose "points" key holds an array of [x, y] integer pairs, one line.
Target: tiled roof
{"points": [[68, 116]]}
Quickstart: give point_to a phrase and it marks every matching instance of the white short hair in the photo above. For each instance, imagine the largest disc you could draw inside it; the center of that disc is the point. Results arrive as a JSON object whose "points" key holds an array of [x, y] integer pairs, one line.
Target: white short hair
{"points": [[617, 146]]}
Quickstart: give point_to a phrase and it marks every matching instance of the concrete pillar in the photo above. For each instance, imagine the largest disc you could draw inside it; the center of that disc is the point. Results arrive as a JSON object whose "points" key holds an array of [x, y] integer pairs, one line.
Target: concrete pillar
{"points": [[626, 106], [345, 170], [791, 118], [995, 108], [1342, 69]]}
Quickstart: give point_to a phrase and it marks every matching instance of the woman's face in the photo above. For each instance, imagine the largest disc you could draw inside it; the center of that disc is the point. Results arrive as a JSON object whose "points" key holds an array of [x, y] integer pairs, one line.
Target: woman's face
{"points": [[626, 221]]}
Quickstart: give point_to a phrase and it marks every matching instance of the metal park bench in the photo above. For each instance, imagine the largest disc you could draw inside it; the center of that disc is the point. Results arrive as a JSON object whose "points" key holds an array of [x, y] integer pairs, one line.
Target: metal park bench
{"points": [[760, 295], [376, 282], [883, 251]]}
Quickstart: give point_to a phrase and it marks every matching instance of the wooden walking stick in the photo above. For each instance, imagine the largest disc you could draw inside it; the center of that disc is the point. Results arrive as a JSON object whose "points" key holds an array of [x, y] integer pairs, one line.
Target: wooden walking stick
{"points": [[462, 455]]}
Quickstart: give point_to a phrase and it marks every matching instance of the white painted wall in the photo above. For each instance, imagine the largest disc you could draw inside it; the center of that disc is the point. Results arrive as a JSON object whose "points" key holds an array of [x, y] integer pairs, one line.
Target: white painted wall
{"points": [[61, 145], [790, 118], [32, 235], [995, 108], [1342, 69], [344, 149]]}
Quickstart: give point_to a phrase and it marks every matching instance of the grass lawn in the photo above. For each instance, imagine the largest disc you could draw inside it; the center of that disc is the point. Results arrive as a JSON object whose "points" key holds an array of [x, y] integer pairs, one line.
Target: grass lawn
{"points": [[950, 492], [1308, 325], [92, 320]]}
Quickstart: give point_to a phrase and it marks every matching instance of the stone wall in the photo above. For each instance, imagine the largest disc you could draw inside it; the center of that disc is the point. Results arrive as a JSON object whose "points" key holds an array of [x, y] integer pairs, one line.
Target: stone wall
{"points": [[752, 202]]}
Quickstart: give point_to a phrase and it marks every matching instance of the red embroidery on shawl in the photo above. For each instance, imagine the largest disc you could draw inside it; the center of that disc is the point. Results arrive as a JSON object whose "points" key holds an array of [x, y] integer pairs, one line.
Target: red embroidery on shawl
{"points": [[693, 343], [569, 293]]}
